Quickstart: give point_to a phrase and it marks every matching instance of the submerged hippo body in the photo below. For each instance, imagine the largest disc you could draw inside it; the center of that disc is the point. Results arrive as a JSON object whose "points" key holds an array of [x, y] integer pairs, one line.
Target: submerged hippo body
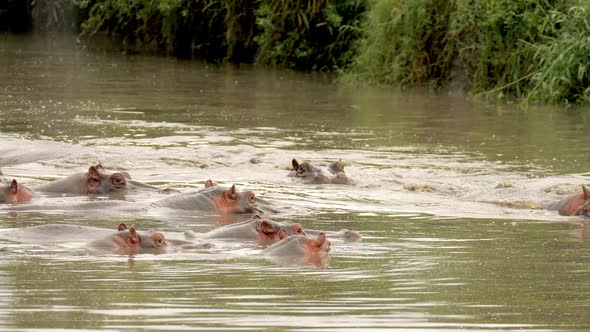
{"points": [[299, 249], [212, 198], [331, 173], [345, 235], [255, 229], [95, 181], [14, 193], [574, 205], [125, 241]]}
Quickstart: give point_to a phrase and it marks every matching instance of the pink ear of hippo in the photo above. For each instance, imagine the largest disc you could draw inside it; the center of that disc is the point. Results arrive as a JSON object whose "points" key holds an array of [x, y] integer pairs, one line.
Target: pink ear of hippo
{"points": [[93, 173], [13, 187], [295, 164], [232, 192], [209, 184], [133, 237], [121, 227], [266, 227], [586, 192], [321, 239]]}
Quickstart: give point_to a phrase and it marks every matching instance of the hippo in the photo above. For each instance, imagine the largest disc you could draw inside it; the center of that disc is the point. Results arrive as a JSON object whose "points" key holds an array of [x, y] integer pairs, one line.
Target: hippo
{"points": [[14, 193], [128, 241], [212, 198], [124, 241], [253, 229], [95, 181], [345, 235], [217, 199], [299, 249], [334, 173], [300, 245], [574, 205]]}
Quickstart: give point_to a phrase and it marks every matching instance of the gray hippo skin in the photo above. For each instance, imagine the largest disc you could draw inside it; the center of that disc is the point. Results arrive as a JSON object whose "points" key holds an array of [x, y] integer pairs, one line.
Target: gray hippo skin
{"points": [[126, 241], [300, 250], [14, 193], [331, 173], [254, 229], [212, 198], [346, 235], [299, 246], [95, 181]]}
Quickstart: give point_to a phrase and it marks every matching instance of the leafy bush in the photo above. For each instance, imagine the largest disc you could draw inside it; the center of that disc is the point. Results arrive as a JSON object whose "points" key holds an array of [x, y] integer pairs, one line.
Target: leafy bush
{"points": [[308, 34]]}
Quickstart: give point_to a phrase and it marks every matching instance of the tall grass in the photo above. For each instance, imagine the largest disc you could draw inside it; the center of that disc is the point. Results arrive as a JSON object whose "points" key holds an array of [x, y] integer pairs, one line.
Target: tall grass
{"points": [[533, 50], [403, 43], [563, 75]]}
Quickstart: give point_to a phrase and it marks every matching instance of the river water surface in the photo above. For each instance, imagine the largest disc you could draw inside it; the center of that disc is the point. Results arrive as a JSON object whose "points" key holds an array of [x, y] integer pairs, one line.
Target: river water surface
{"points": [[448, 197]]}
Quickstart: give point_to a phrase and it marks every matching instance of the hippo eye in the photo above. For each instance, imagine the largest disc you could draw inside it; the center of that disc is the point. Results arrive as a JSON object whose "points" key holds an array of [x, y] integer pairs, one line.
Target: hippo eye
{"points": [[299, 230], [119, 180], [252, 198]]}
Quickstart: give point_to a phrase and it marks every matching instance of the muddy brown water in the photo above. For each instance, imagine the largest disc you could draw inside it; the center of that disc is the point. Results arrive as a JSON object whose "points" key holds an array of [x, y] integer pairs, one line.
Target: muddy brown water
{"points": [[447, 198]]}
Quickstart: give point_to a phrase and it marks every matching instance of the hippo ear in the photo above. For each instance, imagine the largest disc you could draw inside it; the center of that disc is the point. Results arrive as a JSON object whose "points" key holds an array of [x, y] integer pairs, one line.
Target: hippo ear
{"points": [[586, 192], [122, 227], [127, 175], [93, 173], [133, 236], [209, 184], [257, 217], [14, 187], [233, 192], [337, 166], [266, 227], [321, 239], [99, 167], [295, 164]]}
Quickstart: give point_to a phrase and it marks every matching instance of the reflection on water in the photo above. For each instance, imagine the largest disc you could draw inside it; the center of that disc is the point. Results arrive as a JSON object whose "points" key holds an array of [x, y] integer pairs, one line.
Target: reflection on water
{"points": [[448, 199]]}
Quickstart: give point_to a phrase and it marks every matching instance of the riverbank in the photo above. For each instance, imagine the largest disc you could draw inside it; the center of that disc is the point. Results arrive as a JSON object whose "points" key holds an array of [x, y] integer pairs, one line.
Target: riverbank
{"points": [[531, 51]]}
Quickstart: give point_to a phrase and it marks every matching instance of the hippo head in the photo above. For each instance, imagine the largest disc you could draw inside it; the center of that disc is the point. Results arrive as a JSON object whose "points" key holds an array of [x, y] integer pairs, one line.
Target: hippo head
{"points": [[270, 231], [584, 209], [232, 201], [318, 247], [303, 169], [292, 229], [100, 182], [14, 193], [130, 239]]}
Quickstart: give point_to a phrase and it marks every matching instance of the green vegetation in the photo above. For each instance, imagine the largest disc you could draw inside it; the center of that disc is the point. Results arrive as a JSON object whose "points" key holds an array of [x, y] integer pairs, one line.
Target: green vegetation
{"points": [[306, 34], [533, 50]]}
